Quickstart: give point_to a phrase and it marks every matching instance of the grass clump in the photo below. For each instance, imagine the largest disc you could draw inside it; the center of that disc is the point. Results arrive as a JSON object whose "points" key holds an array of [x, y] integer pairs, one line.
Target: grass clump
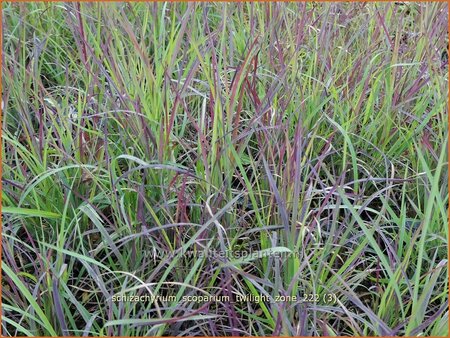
{"points": [[238, 168]]}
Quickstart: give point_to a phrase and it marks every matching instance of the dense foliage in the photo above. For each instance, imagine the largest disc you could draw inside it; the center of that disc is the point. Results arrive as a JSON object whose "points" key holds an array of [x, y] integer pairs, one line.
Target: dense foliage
{"points": [[295, 152]]}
